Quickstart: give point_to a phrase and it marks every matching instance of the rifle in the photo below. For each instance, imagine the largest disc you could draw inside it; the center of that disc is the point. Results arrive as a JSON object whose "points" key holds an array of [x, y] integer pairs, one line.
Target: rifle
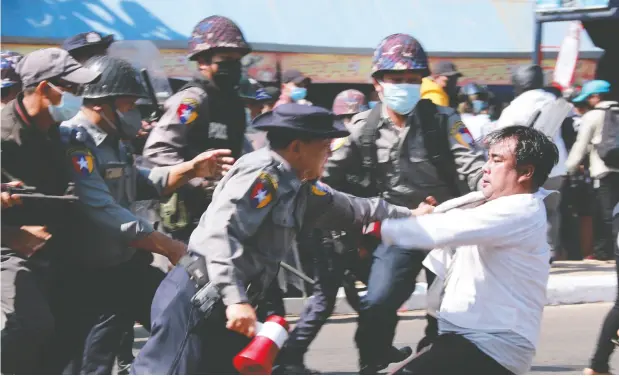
{"points": [[30, 193], [157, 113]]}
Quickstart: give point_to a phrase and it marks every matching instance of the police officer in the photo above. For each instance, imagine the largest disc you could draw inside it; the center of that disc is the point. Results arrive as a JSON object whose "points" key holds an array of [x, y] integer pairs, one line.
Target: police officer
{"points": [[404, 150], [31, 229], [260, 206], [11, 84], [83, 46], [206, 113], [113, 245], [328, 265]]}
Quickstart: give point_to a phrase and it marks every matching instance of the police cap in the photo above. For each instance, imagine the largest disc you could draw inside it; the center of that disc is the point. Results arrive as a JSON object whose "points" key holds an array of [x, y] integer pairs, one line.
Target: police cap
{"points": [[313, 121]]}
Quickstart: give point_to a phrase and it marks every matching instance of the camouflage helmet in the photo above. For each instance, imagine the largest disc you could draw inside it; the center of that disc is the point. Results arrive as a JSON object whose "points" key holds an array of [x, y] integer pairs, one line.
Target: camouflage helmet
{"points": [[8, 62], [216, 32], [349, 102], [400, 52]]}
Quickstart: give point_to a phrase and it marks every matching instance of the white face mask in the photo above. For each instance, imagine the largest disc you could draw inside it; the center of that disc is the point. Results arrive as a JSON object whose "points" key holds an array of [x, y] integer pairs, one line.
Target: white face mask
{"points": [[68, 107]]}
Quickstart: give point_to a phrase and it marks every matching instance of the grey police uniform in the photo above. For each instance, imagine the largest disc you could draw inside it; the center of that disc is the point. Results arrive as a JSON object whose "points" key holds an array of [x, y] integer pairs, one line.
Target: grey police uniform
{"points": [[257, 212], [116, 281], [402, 158]]}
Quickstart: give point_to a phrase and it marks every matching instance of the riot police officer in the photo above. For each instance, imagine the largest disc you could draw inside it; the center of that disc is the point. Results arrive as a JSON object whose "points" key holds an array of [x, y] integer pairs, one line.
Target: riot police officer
{"points": [[207, 113], [11, 83], [404, 150], [32, 230], [328, 265], [112, 245], [260, 206]]}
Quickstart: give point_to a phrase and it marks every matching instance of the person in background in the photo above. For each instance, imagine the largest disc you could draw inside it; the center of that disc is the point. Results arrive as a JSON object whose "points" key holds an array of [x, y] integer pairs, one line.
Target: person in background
{"points": [[294, 88], [606, 180], [606, 183], [373, 99], [268, 96], [32, 231], [528, 81], [478, 120], [83, 46], [442, 86], [11, 84]]}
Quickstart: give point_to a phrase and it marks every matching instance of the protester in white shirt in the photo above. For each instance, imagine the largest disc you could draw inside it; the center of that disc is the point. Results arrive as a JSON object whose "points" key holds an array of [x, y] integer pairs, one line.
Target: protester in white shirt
{"points": [[528, 81], [495, 284]]}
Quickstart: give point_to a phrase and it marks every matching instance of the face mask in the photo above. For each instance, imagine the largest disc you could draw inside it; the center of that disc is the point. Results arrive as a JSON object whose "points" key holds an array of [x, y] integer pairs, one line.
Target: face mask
{"points": [[479, 106], [130, 123], [298, 93], [68, 107], [372, 104], [228, 74], [401, 98]]}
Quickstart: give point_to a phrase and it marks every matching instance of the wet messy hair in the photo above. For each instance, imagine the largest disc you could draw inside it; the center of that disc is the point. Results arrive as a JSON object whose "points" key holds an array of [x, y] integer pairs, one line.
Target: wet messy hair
{"points": [[533, 148]]}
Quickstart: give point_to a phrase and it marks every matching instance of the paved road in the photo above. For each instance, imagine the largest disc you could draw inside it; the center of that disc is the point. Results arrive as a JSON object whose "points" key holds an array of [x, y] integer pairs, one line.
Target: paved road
{"points": [[568, 337]]}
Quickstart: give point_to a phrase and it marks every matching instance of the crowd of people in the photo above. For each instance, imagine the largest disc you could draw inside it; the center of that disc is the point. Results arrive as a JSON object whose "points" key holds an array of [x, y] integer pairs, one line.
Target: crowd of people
{"points": [[110, 217]]}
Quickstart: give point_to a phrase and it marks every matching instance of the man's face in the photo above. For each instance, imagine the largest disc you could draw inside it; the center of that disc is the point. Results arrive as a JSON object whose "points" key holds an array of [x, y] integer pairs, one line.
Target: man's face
{"points": [[448, 83], [312, 156], [397, 77], [501, 177], [287, 88]]}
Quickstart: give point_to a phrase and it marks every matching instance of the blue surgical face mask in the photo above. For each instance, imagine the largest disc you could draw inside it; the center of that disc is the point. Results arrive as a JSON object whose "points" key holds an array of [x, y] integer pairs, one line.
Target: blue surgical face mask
{"points": [[372, 104], [130, 123], [298, 93], [68, 107], [479, 106], [401, 98]]}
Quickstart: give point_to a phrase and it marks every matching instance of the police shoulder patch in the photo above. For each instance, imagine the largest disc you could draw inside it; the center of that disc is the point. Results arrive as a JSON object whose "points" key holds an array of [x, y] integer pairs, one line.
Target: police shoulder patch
{"points": [[263, 190], [187, 111], [320, 189], [337, 143], [82, 161], [462, 135]]}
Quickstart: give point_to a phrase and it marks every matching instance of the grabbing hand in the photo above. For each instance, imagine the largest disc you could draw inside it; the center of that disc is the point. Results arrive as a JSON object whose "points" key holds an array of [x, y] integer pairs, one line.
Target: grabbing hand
{"points": [[212, 163], [426, 207], [8, 199], [241, 319]]}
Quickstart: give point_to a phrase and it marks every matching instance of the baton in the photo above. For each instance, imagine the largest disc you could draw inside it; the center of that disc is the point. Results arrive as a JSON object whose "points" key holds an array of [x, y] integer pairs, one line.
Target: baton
{"points": [[297, 273]]}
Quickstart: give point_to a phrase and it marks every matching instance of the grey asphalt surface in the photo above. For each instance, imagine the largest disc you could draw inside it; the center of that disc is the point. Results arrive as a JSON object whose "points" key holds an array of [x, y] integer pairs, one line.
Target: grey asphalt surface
{"points": [[567, 341]]}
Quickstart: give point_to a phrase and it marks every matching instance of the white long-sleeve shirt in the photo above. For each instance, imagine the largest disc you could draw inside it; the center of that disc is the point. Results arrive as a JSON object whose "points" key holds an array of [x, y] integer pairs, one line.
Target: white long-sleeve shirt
{"points": [[497, 278]]}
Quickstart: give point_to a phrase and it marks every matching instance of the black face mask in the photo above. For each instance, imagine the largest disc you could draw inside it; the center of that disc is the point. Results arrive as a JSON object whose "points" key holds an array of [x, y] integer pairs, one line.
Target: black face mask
{"points": [[228, 74]]}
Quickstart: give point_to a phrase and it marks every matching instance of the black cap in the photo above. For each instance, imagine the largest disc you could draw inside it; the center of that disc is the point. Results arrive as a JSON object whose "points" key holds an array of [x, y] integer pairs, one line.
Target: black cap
{"points": [[310, 120], [295, 76], [91, 38], [446, 68]]}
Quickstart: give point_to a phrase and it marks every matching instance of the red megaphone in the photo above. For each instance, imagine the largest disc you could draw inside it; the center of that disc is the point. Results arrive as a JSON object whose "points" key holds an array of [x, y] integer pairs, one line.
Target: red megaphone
{"points": [[257, 358]]}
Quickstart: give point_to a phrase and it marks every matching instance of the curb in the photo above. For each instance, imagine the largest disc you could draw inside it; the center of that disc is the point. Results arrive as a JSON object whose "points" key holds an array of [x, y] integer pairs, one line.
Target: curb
{"points": [[561, 290]]}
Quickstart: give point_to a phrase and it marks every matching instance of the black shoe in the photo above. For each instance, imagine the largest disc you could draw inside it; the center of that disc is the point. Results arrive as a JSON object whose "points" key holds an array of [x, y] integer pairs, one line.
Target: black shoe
{"points": [[294, 369], [394, 355]]}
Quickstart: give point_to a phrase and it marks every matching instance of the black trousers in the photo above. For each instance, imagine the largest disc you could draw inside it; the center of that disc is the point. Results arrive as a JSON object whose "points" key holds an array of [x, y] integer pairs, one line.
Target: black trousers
{"points": [[607, 196], [452, 354], [103, 304], [605, 347]]}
